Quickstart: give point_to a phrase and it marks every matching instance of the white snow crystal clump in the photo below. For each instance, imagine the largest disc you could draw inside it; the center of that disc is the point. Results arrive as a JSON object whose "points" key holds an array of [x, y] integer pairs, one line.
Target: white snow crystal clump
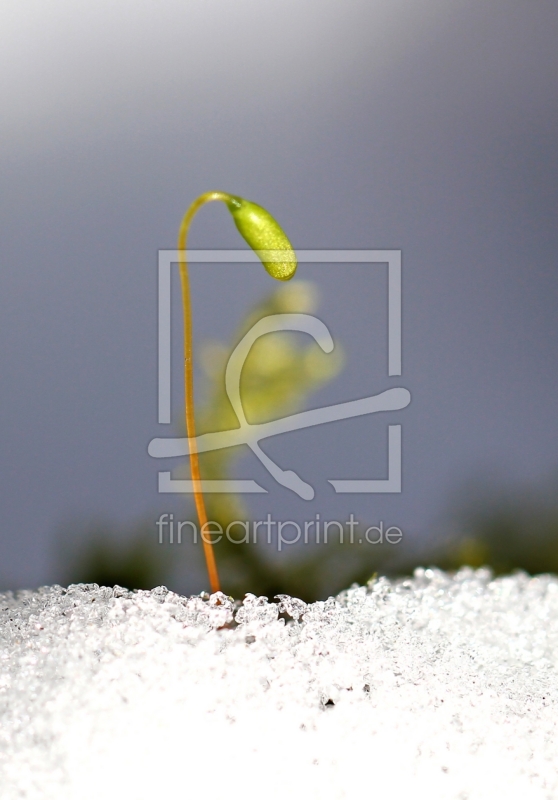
{"points": [[436, 687]]}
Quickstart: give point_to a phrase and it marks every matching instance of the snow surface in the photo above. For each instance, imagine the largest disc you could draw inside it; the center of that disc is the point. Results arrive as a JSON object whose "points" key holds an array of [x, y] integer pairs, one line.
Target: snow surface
{"points": [[435, 687]]}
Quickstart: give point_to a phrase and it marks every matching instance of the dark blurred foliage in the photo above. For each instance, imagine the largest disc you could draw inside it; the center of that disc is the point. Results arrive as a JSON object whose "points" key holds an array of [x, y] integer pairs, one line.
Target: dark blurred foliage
{"points": [[323, 569], [135, 560], [504, 528], [100, 553], [486, 526]]}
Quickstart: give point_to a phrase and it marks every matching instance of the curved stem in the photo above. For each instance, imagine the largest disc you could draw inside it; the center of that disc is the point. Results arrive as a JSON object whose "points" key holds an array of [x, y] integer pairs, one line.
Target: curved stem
{"points": [[208, 197]]}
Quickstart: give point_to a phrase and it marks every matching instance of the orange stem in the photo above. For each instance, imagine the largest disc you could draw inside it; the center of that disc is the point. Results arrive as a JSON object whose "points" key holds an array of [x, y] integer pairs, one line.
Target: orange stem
{"points": [[189, 382]]}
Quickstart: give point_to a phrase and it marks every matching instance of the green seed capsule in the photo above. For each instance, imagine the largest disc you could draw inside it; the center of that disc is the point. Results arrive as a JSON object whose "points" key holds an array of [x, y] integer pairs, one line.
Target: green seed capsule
{"points": [[264, 235]]}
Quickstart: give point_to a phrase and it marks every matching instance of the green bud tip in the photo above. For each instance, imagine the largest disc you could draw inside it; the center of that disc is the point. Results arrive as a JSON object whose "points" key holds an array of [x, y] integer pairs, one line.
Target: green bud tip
{"points": [[265, 236]]}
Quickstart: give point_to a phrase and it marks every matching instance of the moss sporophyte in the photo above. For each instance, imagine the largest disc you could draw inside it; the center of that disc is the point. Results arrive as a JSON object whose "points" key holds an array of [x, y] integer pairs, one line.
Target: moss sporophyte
{"points": [[268, 240]]}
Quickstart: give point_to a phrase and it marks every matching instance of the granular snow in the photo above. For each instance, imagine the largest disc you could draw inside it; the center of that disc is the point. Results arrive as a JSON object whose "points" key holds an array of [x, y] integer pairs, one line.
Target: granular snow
{"points": [[434, 687]]}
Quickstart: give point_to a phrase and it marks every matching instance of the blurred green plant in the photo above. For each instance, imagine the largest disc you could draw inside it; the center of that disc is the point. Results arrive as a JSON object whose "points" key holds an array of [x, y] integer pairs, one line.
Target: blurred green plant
{"points": [[282, 371], [279, 375]]}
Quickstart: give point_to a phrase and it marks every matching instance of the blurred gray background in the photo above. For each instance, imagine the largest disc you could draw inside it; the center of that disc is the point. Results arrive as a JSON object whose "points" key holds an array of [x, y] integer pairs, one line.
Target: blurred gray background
{"points": [[429, 126]]}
